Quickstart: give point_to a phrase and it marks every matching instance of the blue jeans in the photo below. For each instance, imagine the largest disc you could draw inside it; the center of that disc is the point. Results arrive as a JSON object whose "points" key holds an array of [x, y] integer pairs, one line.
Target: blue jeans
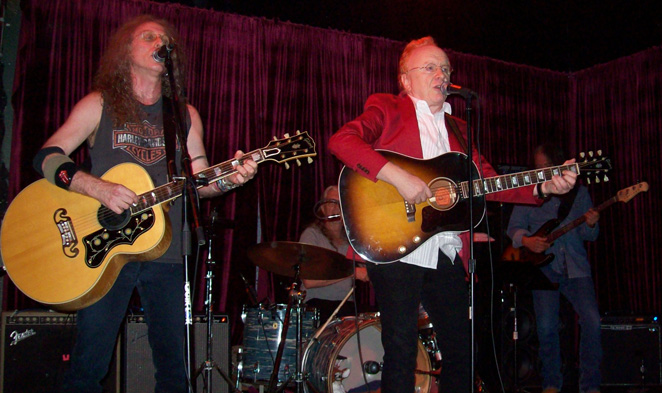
{"points": [[399, 289], [581, 294], [160, 286]]}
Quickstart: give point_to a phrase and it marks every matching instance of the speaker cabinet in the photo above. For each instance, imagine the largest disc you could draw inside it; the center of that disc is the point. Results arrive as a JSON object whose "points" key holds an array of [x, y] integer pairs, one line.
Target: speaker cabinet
{"points": [[138, 369], [36, 348], [631, 354]]}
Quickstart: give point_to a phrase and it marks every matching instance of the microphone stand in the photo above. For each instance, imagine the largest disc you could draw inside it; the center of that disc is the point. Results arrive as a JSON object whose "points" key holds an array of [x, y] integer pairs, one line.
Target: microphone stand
{"points": [[208, 365], [188, 201], [472, 260]]}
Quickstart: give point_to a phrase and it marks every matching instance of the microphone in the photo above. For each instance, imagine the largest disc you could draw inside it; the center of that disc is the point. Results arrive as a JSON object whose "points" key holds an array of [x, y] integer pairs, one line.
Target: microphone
{"points": [[459, 90], [372, 367], [320, 216], [162, 53]]}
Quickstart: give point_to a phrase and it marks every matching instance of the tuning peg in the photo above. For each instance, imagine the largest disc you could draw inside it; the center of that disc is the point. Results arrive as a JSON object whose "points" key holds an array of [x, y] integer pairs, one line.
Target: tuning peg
{"points": [[275, 138], [310, 160], [588, 180], [287, 135], [605, 178], [298, 162], [298, 132], [590, 153], [600, 152], [287, 166], [582, 155], [597, 179]]}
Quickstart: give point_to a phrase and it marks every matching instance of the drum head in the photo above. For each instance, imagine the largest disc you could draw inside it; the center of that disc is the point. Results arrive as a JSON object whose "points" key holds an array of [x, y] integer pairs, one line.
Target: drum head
{"points": [[335, 357]]}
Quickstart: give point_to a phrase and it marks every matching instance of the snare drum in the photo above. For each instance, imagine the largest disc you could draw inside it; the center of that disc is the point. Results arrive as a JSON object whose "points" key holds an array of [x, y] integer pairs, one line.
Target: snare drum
{"points": [[334, 357], [262, 330]]}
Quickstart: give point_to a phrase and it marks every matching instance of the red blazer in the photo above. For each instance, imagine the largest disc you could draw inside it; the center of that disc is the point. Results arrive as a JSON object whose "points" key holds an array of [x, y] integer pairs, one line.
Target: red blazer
{"points": [[389, 123]]}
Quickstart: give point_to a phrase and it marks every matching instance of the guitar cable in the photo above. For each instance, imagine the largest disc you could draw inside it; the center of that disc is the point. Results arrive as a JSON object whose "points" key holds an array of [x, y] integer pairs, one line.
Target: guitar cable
{"points": [[490, 255]]}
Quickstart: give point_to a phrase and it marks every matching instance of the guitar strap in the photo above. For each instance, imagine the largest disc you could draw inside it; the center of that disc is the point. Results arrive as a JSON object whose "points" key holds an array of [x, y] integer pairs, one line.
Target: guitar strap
{"points": [[566, 204], [170, 138], [456, 131]]}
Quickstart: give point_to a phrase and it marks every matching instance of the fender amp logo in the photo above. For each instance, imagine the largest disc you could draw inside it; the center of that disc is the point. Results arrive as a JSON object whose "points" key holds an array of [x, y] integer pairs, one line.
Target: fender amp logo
{"points": [[17, 337]]}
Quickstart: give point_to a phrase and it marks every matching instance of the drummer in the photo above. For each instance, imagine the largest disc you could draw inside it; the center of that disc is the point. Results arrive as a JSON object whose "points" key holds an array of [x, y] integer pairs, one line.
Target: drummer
{"points": [[327, 231]]}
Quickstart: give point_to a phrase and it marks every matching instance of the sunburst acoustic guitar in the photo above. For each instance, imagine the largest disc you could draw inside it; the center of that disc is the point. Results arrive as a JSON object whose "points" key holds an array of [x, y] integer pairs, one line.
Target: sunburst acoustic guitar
{"points": [[382, 227], [65, 250]]}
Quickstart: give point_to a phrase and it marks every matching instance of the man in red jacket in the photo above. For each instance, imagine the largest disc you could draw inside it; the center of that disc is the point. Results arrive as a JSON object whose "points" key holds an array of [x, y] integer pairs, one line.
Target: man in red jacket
{"points": [[417, 123]]}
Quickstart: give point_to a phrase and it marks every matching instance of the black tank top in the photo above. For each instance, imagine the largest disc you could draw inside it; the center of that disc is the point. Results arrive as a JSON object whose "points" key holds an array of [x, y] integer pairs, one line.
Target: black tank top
{"points": [[143, 144]]}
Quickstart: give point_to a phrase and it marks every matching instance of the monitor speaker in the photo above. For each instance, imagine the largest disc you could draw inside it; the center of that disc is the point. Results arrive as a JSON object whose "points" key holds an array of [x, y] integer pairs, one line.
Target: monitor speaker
{"points": [[138, 369]]}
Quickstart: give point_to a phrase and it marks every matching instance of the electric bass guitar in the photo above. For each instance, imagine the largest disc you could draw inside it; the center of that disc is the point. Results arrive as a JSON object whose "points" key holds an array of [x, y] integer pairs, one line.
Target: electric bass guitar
{"points": [[65, 249], [382, 227], [523, 254]]}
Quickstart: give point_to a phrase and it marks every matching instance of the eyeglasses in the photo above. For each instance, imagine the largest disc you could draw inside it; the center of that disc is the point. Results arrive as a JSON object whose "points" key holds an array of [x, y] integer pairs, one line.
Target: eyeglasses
{"points": [[432, 68], [150, 36]]}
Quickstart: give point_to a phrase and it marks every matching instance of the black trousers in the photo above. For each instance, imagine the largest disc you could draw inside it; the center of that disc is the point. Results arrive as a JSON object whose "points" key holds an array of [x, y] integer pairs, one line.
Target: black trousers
{"points": [[399, 289]]}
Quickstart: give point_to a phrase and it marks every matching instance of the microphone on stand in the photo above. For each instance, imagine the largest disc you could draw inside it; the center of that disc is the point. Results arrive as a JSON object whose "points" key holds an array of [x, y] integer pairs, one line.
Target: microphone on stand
{"points": [[162, 53], [459, 90]]}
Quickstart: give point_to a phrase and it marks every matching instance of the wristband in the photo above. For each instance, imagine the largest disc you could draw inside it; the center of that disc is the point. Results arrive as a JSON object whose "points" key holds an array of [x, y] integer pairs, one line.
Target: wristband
{"points": [[64, 174], [541, 194], [59, 170], [225, 185]]}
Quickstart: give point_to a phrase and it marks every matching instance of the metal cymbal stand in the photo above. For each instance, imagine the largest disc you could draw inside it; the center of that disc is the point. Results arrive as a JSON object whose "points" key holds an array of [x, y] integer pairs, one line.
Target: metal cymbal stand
{"points": [[296, 298], [209, 364]]}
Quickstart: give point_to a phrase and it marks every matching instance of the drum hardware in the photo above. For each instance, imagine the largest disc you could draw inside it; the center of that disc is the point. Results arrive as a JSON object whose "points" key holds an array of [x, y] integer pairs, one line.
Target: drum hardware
{"points": [[297, 260], [208, 365]]}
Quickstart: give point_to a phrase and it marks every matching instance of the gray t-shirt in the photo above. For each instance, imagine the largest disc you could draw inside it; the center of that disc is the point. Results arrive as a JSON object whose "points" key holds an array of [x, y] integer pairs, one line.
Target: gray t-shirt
{"points": [[313, 235]]}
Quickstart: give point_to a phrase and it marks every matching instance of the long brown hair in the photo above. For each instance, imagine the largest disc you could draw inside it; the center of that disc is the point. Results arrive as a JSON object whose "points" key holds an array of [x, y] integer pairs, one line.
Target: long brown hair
{"points": [[113, 79]]}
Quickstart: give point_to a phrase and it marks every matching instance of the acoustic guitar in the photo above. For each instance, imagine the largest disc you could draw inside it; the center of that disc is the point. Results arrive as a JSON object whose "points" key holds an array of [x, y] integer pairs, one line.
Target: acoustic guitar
{"points": [[382, 227], [523, 254], [65, 249]]}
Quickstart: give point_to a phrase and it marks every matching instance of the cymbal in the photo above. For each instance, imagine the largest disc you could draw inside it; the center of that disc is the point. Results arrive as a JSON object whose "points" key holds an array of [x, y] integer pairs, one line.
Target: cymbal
{"points": [[315, 263]]}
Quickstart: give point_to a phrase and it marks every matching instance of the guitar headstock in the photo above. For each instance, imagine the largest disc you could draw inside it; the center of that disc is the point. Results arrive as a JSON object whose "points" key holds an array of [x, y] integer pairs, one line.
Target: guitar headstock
{"points": [[626, 194], [301, 145], [591, 164]]}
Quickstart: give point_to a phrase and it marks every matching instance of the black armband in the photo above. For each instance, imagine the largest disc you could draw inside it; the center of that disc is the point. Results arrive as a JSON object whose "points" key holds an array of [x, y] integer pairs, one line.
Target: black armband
{"points": [[38, 160]]}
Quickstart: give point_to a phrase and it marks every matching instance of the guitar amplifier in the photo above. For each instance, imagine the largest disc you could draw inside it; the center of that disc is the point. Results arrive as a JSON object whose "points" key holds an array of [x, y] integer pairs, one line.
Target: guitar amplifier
{"points": [[632, 353], [138, 371], [36, 348]]}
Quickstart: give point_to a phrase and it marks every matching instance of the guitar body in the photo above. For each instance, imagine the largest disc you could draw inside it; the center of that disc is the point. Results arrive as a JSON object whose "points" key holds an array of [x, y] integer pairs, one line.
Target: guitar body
{"points": [[56, 251], [523, 254], [375, 214]]}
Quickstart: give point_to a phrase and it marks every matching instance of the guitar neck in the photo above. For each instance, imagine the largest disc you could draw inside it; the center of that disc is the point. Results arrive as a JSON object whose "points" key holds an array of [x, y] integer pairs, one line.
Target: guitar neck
{"points": [[516, 180], [578, 221], [172, 190]]}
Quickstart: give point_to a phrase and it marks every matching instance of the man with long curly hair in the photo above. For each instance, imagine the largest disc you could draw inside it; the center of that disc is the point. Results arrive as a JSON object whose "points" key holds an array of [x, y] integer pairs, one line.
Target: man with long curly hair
{"points": [[122, 122]]}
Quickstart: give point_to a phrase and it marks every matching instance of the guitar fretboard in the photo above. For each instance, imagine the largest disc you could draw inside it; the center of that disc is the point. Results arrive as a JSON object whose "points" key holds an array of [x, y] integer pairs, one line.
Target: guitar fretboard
{"points": [[515, 180], [172, 190]]}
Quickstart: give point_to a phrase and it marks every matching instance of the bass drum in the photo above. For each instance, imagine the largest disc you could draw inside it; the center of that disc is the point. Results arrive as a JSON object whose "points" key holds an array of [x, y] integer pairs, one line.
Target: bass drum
{"points": [[333, 359]]}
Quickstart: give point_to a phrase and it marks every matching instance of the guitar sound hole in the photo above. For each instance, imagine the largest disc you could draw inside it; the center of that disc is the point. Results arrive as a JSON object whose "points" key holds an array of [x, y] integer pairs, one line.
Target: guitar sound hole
{"points": [[444, 194], [111, 220]]}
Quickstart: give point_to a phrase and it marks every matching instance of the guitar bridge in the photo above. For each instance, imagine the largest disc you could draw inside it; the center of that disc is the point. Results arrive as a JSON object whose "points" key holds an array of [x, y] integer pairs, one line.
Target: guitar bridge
{"points": [[410, 210]]}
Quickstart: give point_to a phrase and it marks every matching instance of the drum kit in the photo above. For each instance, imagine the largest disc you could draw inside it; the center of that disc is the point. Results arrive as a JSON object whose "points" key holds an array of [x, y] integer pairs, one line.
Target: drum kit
{"points": [[284, 344]]}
